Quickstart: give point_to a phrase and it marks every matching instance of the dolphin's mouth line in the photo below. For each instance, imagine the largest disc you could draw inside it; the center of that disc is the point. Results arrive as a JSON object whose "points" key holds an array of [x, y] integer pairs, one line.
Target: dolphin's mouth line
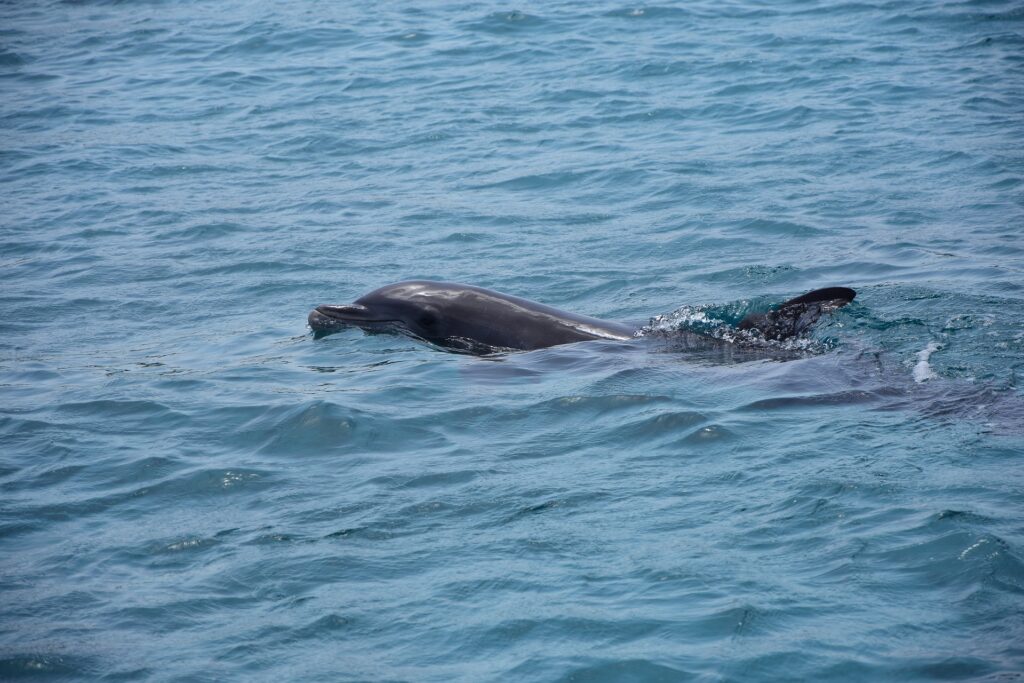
{"points": [[353, 314], [326, 319]]}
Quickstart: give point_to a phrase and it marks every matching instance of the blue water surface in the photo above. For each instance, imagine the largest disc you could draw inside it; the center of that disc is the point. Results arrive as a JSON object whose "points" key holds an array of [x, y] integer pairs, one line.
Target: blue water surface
{"points": [[194, 488]]}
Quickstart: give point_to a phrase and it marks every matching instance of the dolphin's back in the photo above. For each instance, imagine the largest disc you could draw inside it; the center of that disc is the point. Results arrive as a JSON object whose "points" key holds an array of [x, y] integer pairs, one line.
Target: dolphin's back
{"points": [[497, 319]]}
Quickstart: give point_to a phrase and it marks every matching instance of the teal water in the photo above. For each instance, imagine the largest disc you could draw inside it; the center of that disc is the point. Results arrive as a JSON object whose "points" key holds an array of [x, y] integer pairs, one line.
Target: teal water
{"points": [[192, 487]]}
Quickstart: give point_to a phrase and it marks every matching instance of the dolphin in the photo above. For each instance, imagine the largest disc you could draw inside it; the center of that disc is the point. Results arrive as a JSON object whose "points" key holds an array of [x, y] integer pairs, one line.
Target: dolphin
{"points": [[481, 321]]}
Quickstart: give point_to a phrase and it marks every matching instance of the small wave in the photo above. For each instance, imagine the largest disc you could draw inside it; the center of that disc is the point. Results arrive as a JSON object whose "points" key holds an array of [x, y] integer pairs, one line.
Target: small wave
{"points": [[47, 665], [661, 13], [8, 58], [505, 22]]}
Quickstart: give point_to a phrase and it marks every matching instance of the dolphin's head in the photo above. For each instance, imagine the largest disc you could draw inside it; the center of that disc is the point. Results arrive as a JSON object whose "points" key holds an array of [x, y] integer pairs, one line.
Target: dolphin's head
{"points": [[414, 308]]}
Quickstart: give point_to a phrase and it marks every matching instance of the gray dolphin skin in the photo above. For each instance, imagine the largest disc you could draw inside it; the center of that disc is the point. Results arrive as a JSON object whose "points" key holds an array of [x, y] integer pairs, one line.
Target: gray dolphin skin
{"points": [[464, 317], [477, 320]]}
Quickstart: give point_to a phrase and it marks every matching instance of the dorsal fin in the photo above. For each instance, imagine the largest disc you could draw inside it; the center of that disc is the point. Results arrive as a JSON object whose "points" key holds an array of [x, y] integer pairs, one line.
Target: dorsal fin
{"points": [[827, 294], [794, 317]]}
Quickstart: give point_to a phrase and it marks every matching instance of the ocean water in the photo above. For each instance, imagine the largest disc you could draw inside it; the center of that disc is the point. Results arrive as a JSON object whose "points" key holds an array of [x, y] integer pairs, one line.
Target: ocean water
{"points": [[194, 488]]}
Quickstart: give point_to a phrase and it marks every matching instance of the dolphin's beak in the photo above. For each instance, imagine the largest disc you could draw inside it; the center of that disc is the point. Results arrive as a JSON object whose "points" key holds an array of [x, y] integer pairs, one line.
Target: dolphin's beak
{"points": [[329, 318], [345, 312]]}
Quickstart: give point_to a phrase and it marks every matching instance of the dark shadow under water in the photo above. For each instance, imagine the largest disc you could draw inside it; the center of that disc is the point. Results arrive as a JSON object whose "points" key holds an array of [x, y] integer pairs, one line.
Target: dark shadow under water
{"points": [[807, 371], [800, 377]]}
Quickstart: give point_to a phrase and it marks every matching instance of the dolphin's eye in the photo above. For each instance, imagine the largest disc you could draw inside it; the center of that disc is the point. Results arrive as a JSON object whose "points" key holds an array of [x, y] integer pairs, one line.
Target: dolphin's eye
{"points": [[427, 319]]}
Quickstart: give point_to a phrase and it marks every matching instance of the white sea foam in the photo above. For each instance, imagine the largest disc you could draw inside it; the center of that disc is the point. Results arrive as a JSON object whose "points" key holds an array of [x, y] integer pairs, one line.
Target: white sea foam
{"points": [[705, 321], [923, 371]]}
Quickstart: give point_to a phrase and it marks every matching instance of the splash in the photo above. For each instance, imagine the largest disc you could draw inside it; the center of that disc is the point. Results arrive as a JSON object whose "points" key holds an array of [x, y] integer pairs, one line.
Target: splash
{"points": [[718, 324], [923, 371]]}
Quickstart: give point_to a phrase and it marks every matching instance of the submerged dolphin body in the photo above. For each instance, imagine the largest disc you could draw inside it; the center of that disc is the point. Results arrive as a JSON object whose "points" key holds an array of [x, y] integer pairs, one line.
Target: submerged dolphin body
{"points": [[477, 320]]}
